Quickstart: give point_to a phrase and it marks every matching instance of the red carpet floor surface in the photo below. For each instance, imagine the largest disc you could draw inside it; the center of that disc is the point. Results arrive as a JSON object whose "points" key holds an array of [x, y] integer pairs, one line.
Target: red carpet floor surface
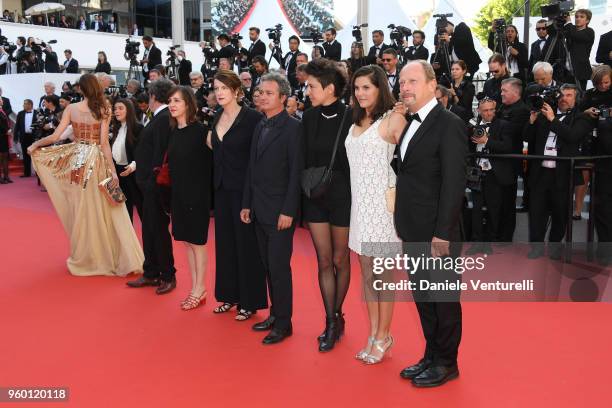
{"points": [[113, 346]]}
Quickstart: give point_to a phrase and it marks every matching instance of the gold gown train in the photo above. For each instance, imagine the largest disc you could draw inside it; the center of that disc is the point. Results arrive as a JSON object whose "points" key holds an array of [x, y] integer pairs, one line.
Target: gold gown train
{"points": [[102, 239]]}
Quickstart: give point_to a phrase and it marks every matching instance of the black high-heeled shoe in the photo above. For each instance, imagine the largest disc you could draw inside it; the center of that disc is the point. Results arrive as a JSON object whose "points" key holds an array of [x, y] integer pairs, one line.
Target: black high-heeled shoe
{"points": [[331, 334], [341, 324]]}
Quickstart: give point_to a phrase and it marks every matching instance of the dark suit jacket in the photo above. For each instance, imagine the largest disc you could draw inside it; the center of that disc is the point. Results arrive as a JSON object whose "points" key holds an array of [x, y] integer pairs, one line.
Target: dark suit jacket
{"points": [[396, 86], [580, 44], [516, 115], [604, 48], [372, 52], [154, 57], [257, 48], [463, 44], [570, 133], [101, 26], [537, 55], [19, 131], [6, 106], [461, 112], [431, 179], [151, 148], [333, 51], [73, 67], [184, 70], [291, 68], [130, 148], [500, 142], [413, 54], [272, 185], [103, 67], [51, 62]]}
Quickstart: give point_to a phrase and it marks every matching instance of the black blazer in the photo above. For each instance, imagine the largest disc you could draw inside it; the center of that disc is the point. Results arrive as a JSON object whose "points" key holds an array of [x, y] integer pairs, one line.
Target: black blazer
{"points": [[291, 68], [73, 67], [154, 57], [103, 67], [151, 148], [272, 185], [604, 48], [19, 131], [464, 114], [184, 70], [256, 48], [110, 29], [500, 142], [431, 179], [580, 44], [130, 148], [465, 93], [51, 62], [333, 51], [463, 44], [231, 157], [538, 54], [101, 26], [570, 134], [372, 53], [412, 53]]}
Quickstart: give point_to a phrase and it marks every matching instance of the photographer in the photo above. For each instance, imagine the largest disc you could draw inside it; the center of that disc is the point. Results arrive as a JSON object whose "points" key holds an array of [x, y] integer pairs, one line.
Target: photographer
{"points": [[580, 38], [553, 132], [226, 51], [51, 61], [184, 69], [461, 88], [246, 80], [132, 88], [300, 91], [260, 68], [604, 49], [444, 97], [515, 51], [200, 90], [461, 45], [417, 50], [539, 48], [256, 48], [151, 56], [288, 62], [49, 120], [333, 49], [491, 136], [358, 59], [28, 63], [375, 52], [49, 91], [498, 71]]}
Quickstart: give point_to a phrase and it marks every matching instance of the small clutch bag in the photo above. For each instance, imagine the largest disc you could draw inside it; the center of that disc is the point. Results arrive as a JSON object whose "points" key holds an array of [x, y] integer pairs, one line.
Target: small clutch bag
{"points": [[114, 195]]}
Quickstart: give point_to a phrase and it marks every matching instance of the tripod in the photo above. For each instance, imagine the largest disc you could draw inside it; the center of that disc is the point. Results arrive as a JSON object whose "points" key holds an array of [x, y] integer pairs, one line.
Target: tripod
{"points": [[560, 70], [500, 42], [134, 71], [171, 68], [275, 50], [443, 59]]}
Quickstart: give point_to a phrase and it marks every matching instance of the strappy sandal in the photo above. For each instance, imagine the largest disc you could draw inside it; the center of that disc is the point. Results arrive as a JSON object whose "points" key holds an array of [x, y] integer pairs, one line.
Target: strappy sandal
{"points": [[244, 315], [191, 302], [226, 307]]}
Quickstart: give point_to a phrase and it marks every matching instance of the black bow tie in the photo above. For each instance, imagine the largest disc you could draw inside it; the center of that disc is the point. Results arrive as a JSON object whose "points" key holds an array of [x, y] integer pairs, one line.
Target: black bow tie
{"points": [[390, 75], [414, 116]]}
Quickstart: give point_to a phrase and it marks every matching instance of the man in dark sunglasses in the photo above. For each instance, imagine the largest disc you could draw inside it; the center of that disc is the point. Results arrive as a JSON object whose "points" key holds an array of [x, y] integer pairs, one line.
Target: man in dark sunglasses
{"points": [[539, 47]]}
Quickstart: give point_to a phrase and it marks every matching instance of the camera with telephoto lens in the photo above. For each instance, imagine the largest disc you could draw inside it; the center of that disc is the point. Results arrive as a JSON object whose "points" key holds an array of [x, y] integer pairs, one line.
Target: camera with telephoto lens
{"points": [[399, 32], [4, 43], [357, 32], [558, 11], [441, 22], [132, 48], [479, 130], [275, 33], [538, 95]]}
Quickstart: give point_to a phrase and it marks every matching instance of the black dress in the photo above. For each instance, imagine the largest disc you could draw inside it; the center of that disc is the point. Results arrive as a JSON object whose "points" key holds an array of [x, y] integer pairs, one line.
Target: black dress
{"points": [[318, 135], [240, 274], [190, 163], [103, 67]]}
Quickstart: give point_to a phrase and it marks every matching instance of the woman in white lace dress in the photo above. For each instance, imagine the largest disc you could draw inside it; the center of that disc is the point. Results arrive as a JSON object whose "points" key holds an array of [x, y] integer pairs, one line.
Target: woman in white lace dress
{"points": [[370, 146]]}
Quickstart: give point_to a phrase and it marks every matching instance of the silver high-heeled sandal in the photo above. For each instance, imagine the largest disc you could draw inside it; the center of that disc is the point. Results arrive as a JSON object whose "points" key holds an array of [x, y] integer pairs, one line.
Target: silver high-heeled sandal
{"points": [[384, 347], [363, 353]]}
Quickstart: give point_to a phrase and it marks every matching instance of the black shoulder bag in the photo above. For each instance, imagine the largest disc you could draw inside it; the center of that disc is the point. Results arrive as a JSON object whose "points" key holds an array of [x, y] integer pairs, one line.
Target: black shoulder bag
{"points": [[316, 180]]}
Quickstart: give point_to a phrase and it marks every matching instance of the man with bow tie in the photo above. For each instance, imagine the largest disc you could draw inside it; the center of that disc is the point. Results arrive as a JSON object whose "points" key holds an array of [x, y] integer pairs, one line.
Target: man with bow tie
{"points": [[256, 48], [289, 61], [539, 47], [556, 133], [390, 61], [378, 37], [333, 49], [418, 50]]}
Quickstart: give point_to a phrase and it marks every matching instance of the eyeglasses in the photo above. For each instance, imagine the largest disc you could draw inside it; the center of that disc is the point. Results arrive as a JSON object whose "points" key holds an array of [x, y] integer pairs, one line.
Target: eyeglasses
{"points": [[541, 28]]}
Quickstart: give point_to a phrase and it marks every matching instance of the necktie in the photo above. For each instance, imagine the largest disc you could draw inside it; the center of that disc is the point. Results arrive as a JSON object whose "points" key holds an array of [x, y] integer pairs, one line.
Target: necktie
{"points": [[412, 117]]}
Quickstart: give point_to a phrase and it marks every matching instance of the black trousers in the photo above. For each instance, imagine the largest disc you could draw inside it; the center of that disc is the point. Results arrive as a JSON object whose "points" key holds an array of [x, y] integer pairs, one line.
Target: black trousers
{"points": [[132, 192], [276, 248], [156, 240], [26, 141], [547, 200], [603, 214], [240, 274], [491, 196], [508, 213]]}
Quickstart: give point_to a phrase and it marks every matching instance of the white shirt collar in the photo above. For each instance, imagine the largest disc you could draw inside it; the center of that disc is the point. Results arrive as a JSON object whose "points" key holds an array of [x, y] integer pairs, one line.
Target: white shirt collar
{"points": [[159, 109], [424, 111]]}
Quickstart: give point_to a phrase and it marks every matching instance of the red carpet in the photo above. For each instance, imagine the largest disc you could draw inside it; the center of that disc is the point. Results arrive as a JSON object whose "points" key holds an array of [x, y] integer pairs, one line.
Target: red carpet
{"points": [[120, 347]]}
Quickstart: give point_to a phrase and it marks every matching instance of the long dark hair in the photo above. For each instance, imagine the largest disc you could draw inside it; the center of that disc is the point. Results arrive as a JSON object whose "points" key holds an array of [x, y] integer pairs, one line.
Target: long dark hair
{"points": [[190, 104], [385, 98], [131, 121], [96, 102]]}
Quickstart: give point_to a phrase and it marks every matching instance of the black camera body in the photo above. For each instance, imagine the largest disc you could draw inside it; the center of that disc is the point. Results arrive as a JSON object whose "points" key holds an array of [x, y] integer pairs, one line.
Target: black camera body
{"points": [[538, 95], [441, 22], [603, 111], [234, 39], [116, 91], [275, 33], [132, 48], [357, 32], [558, 11], [398, 33], [479, 130], [172, 51], [315, 36]]}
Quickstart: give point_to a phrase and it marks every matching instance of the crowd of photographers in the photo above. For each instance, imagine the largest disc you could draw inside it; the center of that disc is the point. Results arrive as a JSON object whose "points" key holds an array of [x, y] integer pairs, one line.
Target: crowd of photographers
{"points": [[534, 100]]}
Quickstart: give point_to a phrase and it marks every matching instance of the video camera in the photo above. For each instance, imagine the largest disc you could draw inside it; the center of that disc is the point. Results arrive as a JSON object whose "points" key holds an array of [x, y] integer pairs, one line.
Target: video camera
{"points": [[500, 24], [399, 32], [38, 45], [132, 48], [441, 22], [357, 32], [538, 95], [4, 43], [234, 39], [558, 11], [172, 51], [315, 36], [275, 33]]}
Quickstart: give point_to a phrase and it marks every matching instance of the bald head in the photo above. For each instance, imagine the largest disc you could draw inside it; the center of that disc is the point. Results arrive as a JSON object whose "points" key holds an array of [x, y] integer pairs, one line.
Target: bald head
{"points": [[417, 84]]}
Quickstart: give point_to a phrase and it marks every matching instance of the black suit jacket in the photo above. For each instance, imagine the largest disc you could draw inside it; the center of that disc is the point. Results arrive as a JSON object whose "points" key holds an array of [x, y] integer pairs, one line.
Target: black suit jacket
{"points": [[103, 67], [372, 52], [184, 70], [19, 131], [101, 26], [463, 44], [256, 48], [516, 115], [291, 68], [396, 86], [51, 62], [6, 106], [333, 51], [151, 148], [73, 67], [461, 112], [570, 133], [272, 185], [412, 53], [604, 48], [154, 57], [580, 44], [538, 54], [431, 179], [500, 142], [130, 147]]}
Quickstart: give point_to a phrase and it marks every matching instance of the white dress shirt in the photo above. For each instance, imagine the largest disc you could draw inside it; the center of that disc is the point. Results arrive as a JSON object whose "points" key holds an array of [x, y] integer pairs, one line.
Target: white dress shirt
{"points": [[414, 126], [119, 152], [27, 119], [159, 109]]}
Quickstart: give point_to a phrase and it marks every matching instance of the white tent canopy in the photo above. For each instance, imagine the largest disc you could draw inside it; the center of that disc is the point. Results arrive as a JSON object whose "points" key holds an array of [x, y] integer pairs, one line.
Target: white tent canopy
{"points": [[44, 8]]}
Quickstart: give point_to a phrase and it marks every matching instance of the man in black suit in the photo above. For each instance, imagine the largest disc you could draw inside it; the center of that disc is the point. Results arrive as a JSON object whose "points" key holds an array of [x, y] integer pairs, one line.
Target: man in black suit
{"points": [[226, 51], [553, 133], [51, 61], [461, 45], [443, 95], [333, 49], [24, 133], [378, 38], [98, 24], [151, 56], [539, 48], [271, 200], [289, 61], [499, 71], [496, 173], [390, 61], [184, 68], [71, 66], [157, 244], [257, 46], [418, 50], [604, 49], [431, 157], [580, 39]]}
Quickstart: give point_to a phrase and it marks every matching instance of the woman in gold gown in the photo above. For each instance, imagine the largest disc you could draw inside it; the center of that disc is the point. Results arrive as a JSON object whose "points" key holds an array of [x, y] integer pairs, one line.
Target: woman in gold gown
{"points": [[102, 239]]}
